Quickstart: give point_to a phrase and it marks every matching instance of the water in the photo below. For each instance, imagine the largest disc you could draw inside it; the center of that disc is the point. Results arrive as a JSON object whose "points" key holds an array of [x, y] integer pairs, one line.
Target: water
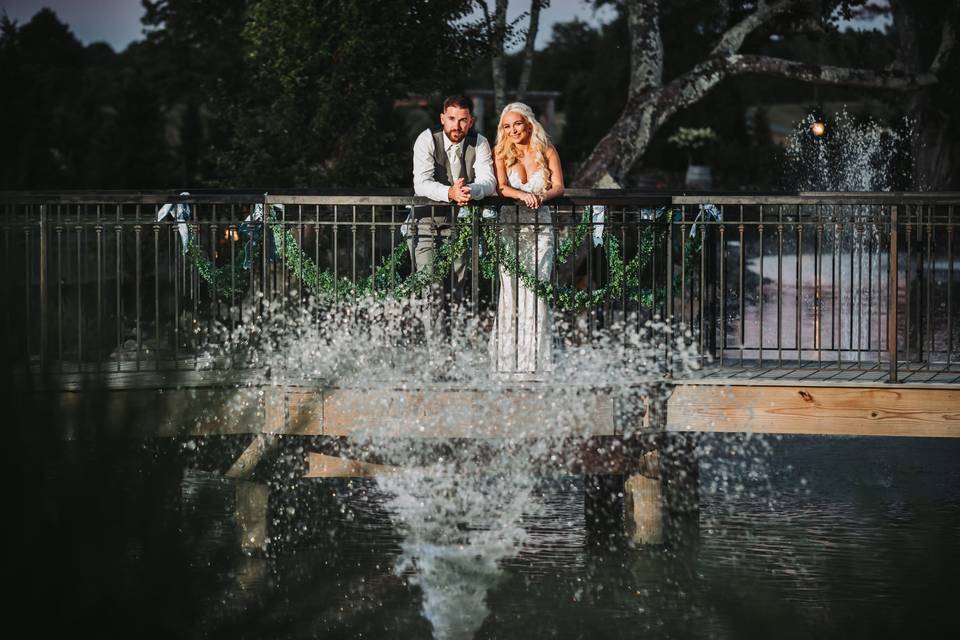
{"points": [[852, 155], [842, 537]]}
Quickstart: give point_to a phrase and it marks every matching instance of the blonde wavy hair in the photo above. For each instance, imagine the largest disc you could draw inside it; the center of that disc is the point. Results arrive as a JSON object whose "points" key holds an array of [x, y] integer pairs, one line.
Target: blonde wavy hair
{"points": [[539, 141]]}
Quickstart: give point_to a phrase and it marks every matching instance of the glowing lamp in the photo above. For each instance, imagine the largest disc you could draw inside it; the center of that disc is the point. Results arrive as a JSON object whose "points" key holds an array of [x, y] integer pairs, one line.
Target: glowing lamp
{"points": [[818, 128]]}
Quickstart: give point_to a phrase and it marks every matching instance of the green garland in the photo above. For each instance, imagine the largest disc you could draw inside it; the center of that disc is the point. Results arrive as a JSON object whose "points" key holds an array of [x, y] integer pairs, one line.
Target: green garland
{"points": [[624, 281]]}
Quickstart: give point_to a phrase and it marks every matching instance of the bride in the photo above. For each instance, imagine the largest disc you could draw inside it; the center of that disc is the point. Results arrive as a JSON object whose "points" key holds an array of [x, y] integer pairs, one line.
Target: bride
{"points": [[528, 171]]}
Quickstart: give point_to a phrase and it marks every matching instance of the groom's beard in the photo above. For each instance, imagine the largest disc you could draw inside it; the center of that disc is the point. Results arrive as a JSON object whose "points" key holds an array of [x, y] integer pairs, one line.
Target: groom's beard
{"points": [[456, 135]]}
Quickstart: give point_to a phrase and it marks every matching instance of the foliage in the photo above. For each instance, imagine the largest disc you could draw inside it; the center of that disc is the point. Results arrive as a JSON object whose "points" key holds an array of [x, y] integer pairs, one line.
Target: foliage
{"points": [[323, 78], [692, 138], [230, 281], [226, 93], [266, 93]]}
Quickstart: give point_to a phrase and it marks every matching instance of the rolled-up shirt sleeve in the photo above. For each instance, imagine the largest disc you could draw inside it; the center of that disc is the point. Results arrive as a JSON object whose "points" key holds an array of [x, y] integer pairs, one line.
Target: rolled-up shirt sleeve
{"points": [[485, 183], [423, 183]]}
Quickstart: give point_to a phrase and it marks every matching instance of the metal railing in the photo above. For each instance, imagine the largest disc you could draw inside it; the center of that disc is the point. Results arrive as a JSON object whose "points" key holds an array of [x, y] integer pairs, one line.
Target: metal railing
{"points": [[837, 281]]}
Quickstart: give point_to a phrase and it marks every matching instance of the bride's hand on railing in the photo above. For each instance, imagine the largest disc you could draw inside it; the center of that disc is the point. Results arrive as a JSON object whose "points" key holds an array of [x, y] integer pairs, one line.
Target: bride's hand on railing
{"points": [[530, 200]]}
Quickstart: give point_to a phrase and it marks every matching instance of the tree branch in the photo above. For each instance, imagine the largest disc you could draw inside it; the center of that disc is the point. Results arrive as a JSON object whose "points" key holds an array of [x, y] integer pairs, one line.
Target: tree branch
{"points": [[824, 74], [732, 40], [535, 6], [696, 83], [646, 46]]}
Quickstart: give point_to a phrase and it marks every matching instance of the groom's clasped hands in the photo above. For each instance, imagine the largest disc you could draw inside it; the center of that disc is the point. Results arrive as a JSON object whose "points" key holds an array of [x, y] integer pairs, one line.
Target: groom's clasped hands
{"points": [[459, 192]]}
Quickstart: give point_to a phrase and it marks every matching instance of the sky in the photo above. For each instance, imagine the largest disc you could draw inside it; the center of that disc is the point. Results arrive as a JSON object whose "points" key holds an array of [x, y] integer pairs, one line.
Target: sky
{"points": [[117, 22]]}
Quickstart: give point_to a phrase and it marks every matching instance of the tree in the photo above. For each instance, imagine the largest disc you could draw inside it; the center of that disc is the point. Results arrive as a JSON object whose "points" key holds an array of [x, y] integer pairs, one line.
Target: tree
{"points": [[192, 56], [935, 108], [321, 82], [76, 116], [498, 34], [651, 100]]}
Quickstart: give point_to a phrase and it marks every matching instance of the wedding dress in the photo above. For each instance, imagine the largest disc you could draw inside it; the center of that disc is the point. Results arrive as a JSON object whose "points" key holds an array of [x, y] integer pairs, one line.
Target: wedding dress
{"points": [[521, 341]]}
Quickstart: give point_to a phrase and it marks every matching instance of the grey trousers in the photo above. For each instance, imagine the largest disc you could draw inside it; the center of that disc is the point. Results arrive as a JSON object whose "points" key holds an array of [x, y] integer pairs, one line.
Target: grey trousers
{"points": [[427, 234]]}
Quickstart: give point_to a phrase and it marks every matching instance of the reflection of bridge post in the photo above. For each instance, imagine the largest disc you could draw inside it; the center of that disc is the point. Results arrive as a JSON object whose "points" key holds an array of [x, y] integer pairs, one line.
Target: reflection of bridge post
{"points": [[657, 501], [680, 488], [253, 500]]}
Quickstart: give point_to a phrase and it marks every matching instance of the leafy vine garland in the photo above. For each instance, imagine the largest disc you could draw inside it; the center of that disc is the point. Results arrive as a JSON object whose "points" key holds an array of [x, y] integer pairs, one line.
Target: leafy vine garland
{"points": [[232, 280]]}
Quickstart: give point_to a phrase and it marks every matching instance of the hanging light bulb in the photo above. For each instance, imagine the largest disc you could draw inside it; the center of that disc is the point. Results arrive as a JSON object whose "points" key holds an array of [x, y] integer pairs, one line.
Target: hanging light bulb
{"points": [[818, 128]]}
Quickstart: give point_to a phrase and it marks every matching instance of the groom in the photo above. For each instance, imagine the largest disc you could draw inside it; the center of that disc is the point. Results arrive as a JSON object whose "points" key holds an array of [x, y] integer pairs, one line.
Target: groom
{"points": [[451, 165]]}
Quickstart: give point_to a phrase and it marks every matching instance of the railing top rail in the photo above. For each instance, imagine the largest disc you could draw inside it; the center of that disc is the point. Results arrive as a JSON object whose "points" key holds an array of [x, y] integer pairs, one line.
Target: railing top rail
{"points": [[403, 197]]}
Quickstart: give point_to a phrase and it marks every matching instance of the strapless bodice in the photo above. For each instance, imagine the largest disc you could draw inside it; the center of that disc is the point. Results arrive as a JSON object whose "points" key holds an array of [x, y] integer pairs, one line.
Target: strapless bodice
{"points": [[535, 184]]}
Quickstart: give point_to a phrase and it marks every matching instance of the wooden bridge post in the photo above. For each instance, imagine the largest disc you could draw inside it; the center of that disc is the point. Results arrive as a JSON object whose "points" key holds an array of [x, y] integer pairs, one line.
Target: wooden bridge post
{"points": [[252, 508], [643, 502], [657, 501], [661, 500]]}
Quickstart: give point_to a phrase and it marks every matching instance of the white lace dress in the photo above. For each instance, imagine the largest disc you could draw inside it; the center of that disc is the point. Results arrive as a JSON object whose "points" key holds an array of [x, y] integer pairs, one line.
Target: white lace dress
{"points": [[521, 340]]}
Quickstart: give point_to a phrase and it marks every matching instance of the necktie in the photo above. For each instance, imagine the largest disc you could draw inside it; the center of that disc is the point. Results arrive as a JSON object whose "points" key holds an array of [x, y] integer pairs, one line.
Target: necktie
{"points": [[454, 154]]}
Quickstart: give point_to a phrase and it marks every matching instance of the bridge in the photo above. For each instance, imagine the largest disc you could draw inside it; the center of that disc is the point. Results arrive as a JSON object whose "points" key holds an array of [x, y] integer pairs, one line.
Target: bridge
{"points": [[805, 313]]}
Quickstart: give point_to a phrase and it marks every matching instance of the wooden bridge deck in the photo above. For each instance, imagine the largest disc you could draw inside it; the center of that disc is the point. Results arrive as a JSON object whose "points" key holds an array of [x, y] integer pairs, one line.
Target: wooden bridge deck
{"points": [[800, 400]]}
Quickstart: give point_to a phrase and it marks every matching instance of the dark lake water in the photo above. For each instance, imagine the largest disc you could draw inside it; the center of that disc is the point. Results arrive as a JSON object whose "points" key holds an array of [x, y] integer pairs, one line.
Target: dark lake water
{"points": [[800, 537]]}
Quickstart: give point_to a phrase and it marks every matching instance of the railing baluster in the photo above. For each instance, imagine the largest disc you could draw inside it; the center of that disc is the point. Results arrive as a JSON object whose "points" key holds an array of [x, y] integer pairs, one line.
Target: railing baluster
{"points": [[835, 304], [780, 286], [300, 265], [893, 292], [173, 245], [60, 279], [156, 293], [28, 280], [930, 267], [137, 231], [818, 290], [949, 285], [760, 293], [723, 284], [703, 289], [336, 273], [118, 291], [212, 292], [43, 286], [98, 229], [78, 230], [741, 337], [908, 284], [798, 294]]}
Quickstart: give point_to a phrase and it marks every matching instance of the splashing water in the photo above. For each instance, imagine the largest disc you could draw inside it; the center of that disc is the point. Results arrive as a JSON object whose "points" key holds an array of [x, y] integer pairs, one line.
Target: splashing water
{"points": [[460, 503], [851, 155]]}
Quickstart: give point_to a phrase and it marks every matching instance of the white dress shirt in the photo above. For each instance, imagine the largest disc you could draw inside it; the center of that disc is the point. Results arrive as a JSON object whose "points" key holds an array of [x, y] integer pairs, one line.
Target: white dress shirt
{"points": [[485, 184]]}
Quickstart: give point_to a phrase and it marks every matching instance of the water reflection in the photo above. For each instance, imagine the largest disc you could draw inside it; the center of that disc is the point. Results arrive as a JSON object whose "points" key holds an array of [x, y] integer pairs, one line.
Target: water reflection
{"points": [[840, 537]]}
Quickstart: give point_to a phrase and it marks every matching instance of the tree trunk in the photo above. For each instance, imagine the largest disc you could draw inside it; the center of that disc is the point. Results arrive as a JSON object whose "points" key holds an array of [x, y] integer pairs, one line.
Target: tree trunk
{"points": [[535, 6], [936, 140], [499, 56]]}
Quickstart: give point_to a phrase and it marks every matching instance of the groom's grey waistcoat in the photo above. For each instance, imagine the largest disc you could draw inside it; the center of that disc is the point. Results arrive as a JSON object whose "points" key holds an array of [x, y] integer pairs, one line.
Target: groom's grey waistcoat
{"points": [[441, 163]]}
